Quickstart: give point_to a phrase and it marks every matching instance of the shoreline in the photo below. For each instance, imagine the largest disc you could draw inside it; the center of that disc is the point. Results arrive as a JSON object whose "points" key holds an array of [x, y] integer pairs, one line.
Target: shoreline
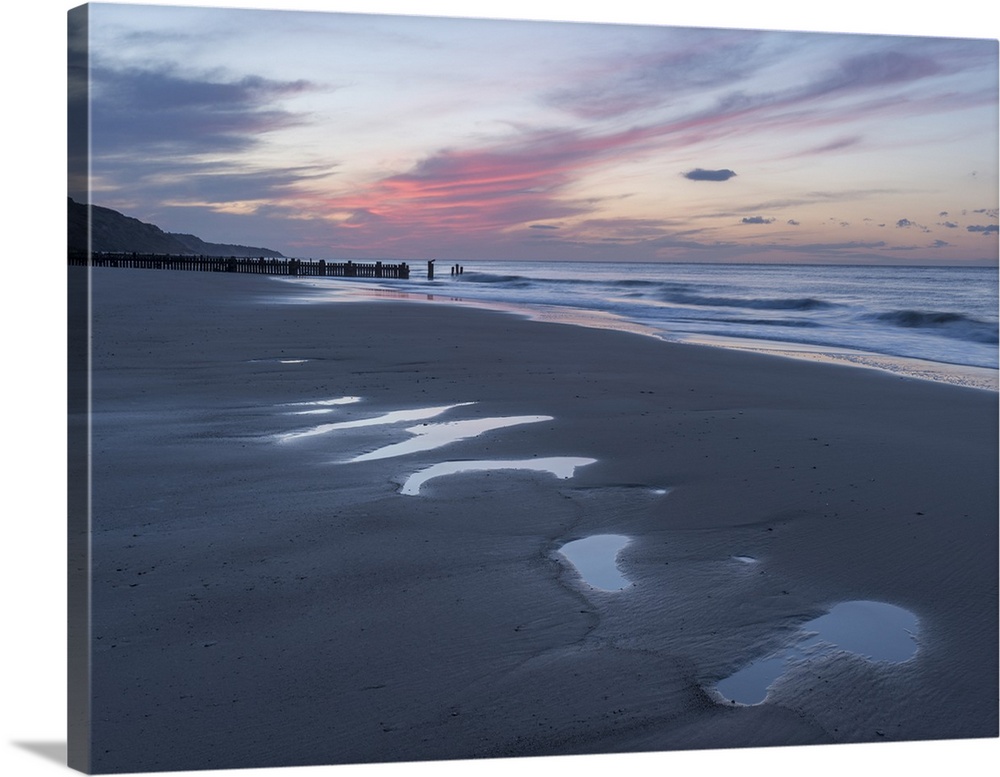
{"points": [[964, 375], [294, 583]]}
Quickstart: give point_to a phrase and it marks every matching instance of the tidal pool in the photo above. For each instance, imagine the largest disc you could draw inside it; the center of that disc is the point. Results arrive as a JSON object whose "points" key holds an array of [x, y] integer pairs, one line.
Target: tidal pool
{"points": [[334, 401], [596, 559], [430, 436], [561, 466], [395, 417], [873, 630], [320, 406]]}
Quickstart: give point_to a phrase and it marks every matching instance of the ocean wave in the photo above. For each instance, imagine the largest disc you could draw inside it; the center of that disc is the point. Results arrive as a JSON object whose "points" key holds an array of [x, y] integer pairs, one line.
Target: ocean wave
{"points": [[524, 281], [620, 283], [791, 322], [753, 303], [955, 325], [635, 282], [513, 281]]}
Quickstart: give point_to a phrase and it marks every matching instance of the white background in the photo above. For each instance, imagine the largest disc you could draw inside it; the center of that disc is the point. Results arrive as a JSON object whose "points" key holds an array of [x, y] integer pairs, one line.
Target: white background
{"points": [[32, 693]]}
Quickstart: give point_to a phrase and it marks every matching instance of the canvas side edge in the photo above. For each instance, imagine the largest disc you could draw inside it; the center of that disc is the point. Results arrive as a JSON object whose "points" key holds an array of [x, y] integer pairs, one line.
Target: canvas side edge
{"points": [[79, 691]]}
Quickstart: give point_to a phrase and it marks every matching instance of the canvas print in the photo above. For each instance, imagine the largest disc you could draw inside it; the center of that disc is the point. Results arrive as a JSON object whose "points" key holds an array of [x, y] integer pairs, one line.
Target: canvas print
{"points": [[449, 388]]}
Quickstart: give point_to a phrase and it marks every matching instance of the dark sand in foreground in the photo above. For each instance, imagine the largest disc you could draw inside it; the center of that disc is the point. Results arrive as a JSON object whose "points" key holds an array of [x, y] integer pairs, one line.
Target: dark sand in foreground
{"points": [[264, 603]]}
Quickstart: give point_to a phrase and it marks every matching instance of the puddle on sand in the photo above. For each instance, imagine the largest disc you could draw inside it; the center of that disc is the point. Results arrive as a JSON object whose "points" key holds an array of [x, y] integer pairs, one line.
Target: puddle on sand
{"points": [[279, 360], [320, 406], [430, 436], [395, 417], [335, 401], [873, 630], [561, 466], [595, 558]]}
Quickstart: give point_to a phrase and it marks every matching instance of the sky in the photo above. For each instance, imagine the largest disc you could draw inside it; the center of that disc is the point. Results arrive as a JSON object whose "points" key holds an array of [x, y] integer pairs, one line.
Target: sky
{"points": [[345, 135]]}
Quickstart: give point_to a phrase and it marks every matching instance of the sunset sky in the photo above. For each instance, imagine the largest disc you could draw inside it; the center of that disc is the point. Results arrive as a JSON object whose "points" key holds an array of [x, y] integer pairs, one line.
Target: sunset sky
{"points": [[352, 136]]}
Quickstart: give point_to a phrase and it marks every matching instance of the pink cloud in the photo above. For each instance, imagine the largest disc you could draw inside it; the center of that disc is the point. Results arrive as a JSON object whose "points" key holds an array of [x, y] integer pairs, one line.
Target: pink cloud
{"points": [[486, 189]]}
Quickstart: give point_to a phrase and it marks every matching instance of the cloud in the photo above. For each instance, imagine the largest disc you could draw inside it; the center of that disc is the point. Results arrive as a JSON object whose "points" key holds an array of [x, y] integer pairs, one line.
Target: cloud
{"points": [[143, 108], [848, 246], [853, 88], [182, 138], [793, 222], [677, 63], [991, 229], [542, 226], [756, 220], [843, 195], [682, 68], [698, 174], [361, 218], [939, 244], [948, 224], [878, 68], [833, 145], [212, 185], [487, 189], [991, 212], [629, 229], [906, 224]]}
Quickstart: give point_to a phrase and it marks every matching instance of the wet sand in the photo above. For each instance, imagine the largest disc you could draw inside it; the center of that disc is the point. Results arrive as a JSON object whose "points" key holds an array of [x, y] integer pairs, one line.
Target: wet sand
{"points": [[264, 601]]}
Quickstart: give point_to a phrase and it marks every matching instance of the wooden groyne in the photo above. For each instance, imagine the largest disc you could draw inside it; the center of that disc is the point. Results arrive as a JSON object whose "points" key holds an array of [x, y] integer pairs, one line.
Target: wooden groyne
{"points": [[260, 266]]}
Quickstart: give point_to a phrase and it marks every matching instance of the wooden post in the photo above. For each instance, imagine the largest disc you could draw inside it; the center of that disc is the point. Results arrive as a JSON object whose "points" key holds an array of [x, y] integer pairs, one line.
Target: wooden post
{"points": [[430, 269]]}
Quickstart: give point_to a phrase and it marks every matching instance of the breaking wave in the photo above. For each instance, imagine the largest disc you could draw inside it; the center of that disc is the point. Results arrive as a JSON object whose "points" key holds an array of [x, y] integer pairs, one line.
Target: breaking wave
{"points": [[954, 325]]}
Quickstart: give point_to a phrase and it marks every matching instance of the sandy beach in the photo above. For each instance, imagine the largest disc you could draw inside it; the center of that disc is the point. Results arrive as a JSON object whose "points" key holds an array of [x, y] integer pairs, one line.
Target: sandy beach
{"points": [[262, 599]]}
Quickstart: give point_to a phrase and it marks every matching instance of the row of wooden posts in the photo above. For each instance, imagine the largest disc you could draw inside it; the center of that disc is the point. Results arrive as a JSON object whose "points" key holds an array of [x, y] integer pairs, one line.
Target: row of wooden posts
{"points": [[260, 265], [456, 269]]}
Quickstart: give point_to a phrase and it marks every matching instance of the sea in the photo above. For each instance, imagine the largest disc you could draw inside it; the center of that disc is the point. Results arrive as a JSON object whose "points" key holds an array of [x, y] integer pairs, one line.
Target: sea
{"points": [[938, 323]]}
